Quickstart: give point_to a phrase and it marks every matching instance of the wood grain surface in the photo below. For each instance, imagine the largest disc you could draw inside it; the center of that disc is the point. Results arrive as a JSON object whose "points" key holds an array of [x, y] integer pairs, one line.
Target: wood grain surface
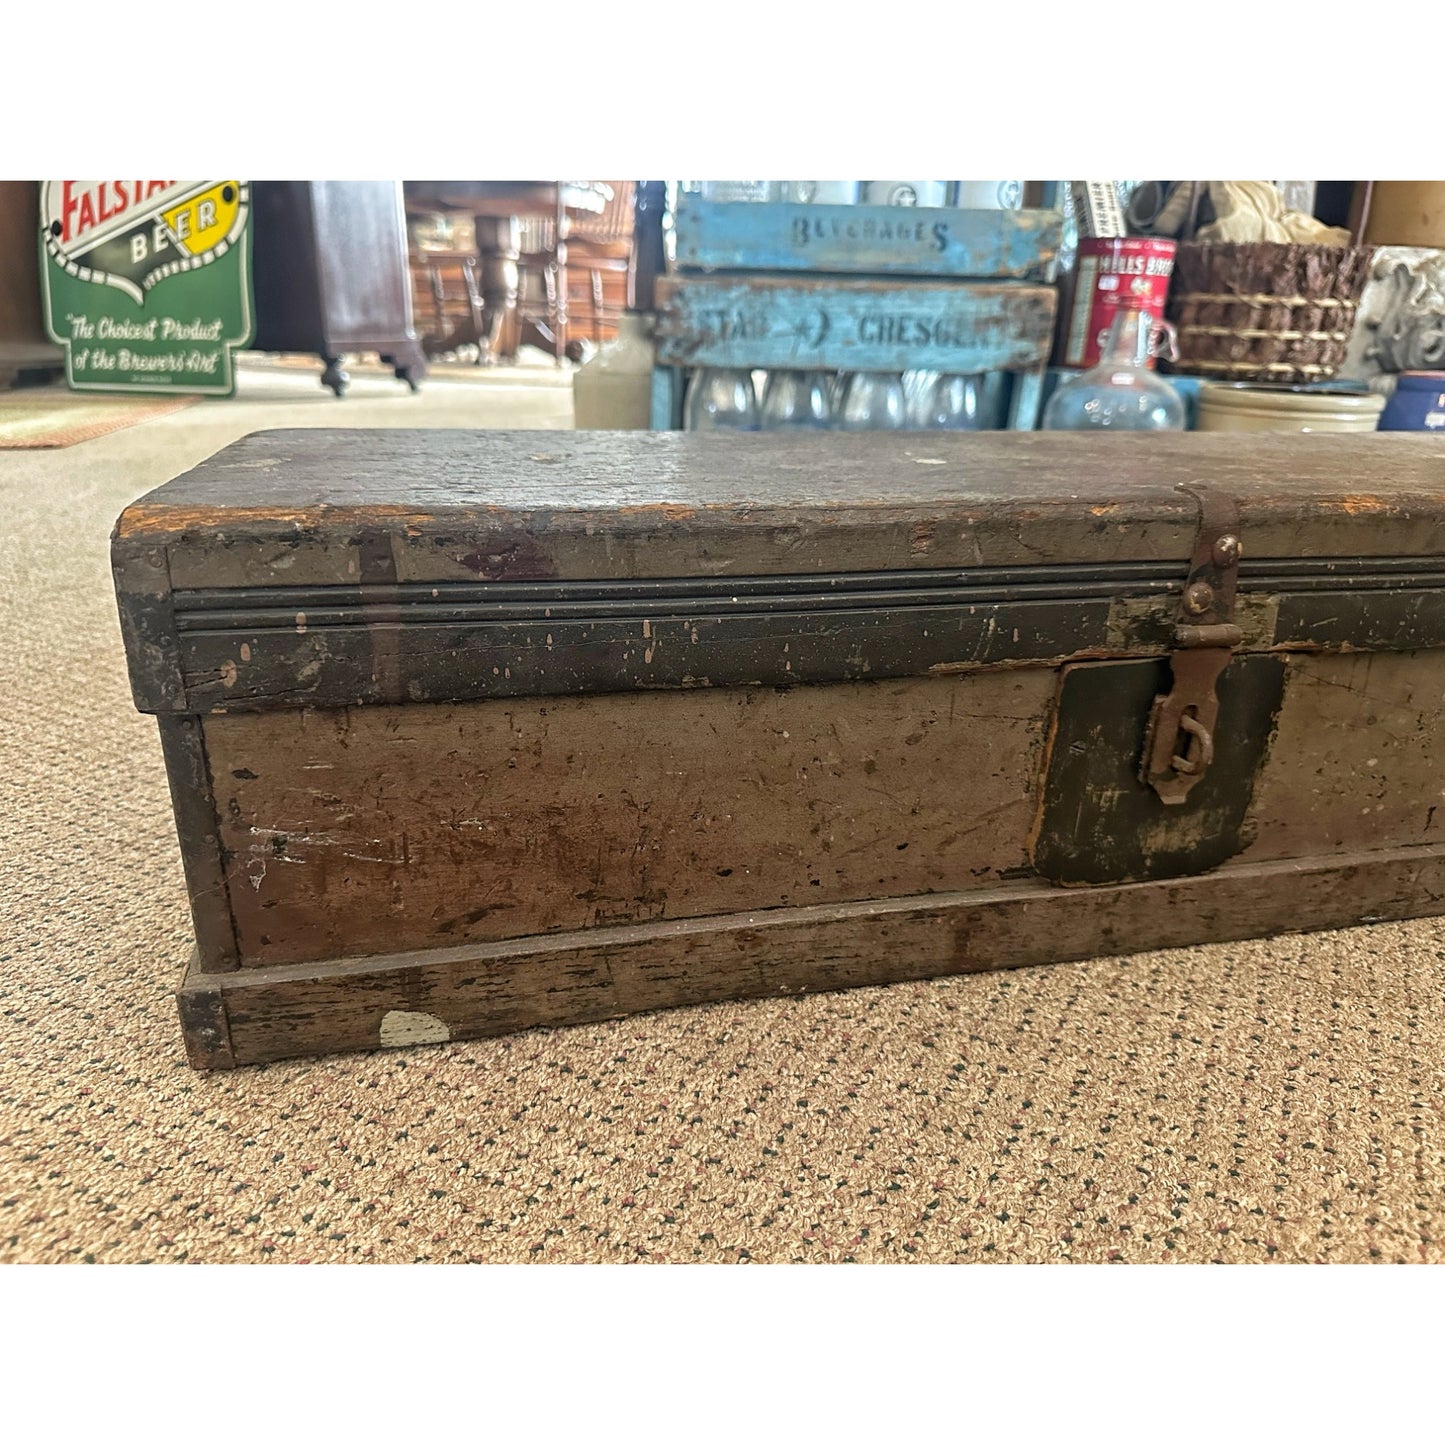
{"points": [[892, 240], [324, 506], [378, 829], [837, 324], [1358, 756]]}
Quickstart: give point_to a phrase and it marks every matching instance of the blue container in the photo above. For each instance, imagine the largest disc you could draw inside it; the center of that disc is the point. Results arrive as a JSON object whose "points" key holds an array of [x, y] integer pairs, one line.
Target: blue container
{"points": [[1417, 403]]}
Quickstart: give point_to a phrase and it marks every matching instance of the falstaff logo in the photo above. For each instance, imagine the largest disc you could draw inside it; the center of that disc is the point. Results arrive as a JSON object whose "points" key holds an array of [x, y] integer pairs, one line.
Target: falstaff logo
{"points": [[133, 234]]}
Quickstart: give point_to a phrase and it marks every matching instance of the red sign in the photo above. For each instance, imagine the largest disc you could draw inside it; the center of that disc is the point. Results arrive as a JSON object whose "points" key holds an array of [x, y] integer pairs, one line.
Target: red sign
{"points": [[1114, 274], [86, 205]]}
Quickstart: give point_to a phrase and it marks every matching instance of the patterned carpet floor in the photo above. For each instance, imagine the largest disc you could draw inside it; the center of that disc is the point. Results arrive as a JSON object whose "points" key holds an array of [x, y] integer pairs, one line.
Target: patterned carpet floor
{"points": [[1252, 1102]]}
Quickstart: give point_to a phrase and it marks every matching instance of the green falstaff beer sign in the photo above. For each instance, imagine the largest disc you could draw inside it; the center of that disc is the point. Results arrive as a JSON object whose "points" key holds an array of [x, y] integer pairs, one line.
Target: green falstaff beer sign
{"points": [[147, 283]]}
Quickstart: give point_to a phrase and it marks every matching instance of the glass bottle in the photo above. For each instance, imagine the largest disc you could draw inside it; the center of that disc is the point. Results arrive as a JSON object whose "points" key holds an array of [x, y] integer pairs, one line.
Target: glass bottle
{"points": [[739, 190], [719, 400], [872, 401], [796, 401], [905, 193], [953, 403], [820, 193], [986, 195], [613, 391], [1121, 392]]}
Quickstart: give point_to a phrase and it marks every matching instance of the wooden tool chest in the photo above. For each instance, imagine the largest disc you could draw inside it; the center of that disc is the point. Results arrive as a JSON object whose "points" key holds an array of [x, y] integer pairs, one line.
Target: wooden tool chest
{"points": [[474, 731]]}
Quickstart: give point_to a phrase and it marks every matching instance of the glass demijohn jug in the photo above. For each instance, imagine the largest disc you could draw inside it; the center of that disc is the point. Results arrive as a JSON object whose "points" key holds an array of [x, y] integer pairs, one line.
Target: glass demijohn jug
{"points": [[1121, 392]]}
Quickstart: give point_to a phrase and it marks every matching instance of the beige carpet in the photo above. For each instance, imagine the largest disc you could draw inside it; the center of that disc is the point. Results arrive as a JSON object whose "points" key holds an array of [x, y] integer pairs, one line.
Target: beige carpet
{"points": [[1243, 1103]]}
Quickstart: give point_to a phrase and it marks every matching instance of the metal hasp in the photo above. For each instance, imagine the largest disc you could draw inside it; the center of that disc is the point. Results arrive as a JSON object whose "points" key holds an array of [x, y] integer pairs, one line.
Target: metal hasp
{"points": [[1179, 741]]}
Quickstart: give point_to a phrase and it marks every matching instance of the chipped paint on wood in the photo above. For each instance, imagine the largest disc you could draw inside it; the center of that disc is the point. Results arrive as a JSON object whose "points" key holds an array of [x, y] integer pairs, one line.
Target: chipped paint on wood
{"points": [[670, 511], [1146, 624], [899, 241], [1358, 759], [849, 502], [840, 325], [399, 1028], [150, 518], [501, 819], [1098, 823], [188, 770], [499, 988]]}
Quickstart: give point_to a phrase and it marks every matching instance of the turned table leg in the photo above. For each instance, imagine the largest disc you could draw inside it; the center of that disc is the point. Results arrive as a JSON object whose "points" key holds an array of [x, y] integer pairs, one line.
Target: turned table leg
{"points": [[559, 262], [499, 245]]}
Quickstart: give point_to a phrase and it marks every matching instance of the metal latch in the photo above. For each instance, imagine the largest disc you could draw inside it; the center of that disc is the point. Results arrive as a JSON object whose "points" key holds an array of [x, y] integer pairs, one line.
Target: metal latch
{"points": [[1179, 741]]}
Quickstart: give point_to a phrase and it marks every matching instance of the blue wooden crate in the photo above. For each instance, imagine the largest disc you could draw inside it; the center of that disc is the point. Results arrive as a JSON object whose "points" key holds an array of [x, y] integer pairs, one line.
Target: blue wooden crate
{"points": [[835, 324], [887, 240]]}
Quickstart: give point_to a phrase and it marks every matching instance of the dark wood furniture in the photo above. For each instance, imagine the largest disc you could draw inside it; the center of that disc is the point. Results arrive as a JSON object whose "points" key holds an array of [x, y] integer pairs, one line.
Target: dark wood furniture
{"points": [[330, 274], [469, 732], [579, 287], [541, 282], [446, 299], [498, 208], [599, 252], [596, 289], [25, 347]]}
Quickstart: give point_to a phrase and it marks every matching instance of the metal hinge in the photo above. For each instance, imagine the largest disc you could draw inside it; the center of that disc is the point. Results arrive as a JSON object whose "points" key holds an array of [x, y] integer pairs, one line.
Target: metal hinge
{"points": [[1179, 741]]}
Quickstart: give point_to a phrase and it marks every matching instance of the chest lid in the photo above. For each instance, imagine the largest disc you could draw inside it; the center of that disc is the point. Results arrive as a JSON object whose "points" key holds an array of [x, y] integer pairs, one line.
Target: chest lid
{"points": [[330, 568]]}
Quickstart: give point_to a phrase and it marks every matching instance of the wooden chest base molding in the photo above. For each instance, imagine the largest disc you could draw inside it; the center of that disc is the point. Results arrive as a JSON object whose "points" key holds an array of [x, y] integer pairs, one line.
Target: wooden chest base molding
{"points": [[253, 1016], [474, 732]]}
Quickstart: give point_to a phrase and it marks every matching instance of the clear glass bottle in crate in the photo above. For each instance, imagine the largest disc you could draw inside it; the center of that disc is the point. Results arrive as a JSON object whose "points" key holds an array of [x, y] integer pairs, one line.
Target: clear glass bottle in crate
{"points": [[819, 193], [739, 190], [796, 401], [721, 400], [954, 403], [872, 401], [1121, 393]]}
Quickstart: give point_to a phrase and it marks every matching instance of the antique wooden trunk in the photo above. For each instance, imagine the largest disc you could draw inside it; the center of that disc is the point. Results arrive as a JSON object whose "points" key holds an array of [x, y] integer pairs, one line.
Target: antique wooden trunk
{"points": [[474, 731]]}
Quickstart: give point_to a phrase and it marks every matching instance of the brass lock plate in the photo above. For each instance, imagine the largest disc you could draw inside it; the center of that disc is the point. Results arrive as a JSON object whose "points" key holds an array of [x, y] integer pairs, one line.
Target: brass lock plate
{"points": [[1099, 822]]}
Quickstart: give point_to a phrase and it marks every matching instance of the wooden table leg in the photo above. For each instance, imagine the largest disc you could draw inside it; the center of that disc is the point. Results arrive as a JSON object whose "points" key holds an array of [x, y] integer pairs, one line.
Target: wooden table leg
{"points": [[559, 338], [499, 244]]}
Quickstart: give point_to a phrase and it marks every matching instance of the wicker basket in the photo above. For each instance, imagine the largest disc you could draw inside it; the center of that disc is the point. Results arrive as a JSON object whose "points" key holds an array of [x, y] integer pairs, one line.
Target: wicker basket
{"points": [[1265, 310]]}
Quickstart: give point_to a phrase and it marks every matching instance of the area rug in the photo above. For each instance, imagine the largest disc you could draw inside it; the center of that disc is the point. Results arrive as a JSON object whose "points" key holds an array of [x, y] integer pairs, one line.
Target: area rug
{"points": [[52, 418]]}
